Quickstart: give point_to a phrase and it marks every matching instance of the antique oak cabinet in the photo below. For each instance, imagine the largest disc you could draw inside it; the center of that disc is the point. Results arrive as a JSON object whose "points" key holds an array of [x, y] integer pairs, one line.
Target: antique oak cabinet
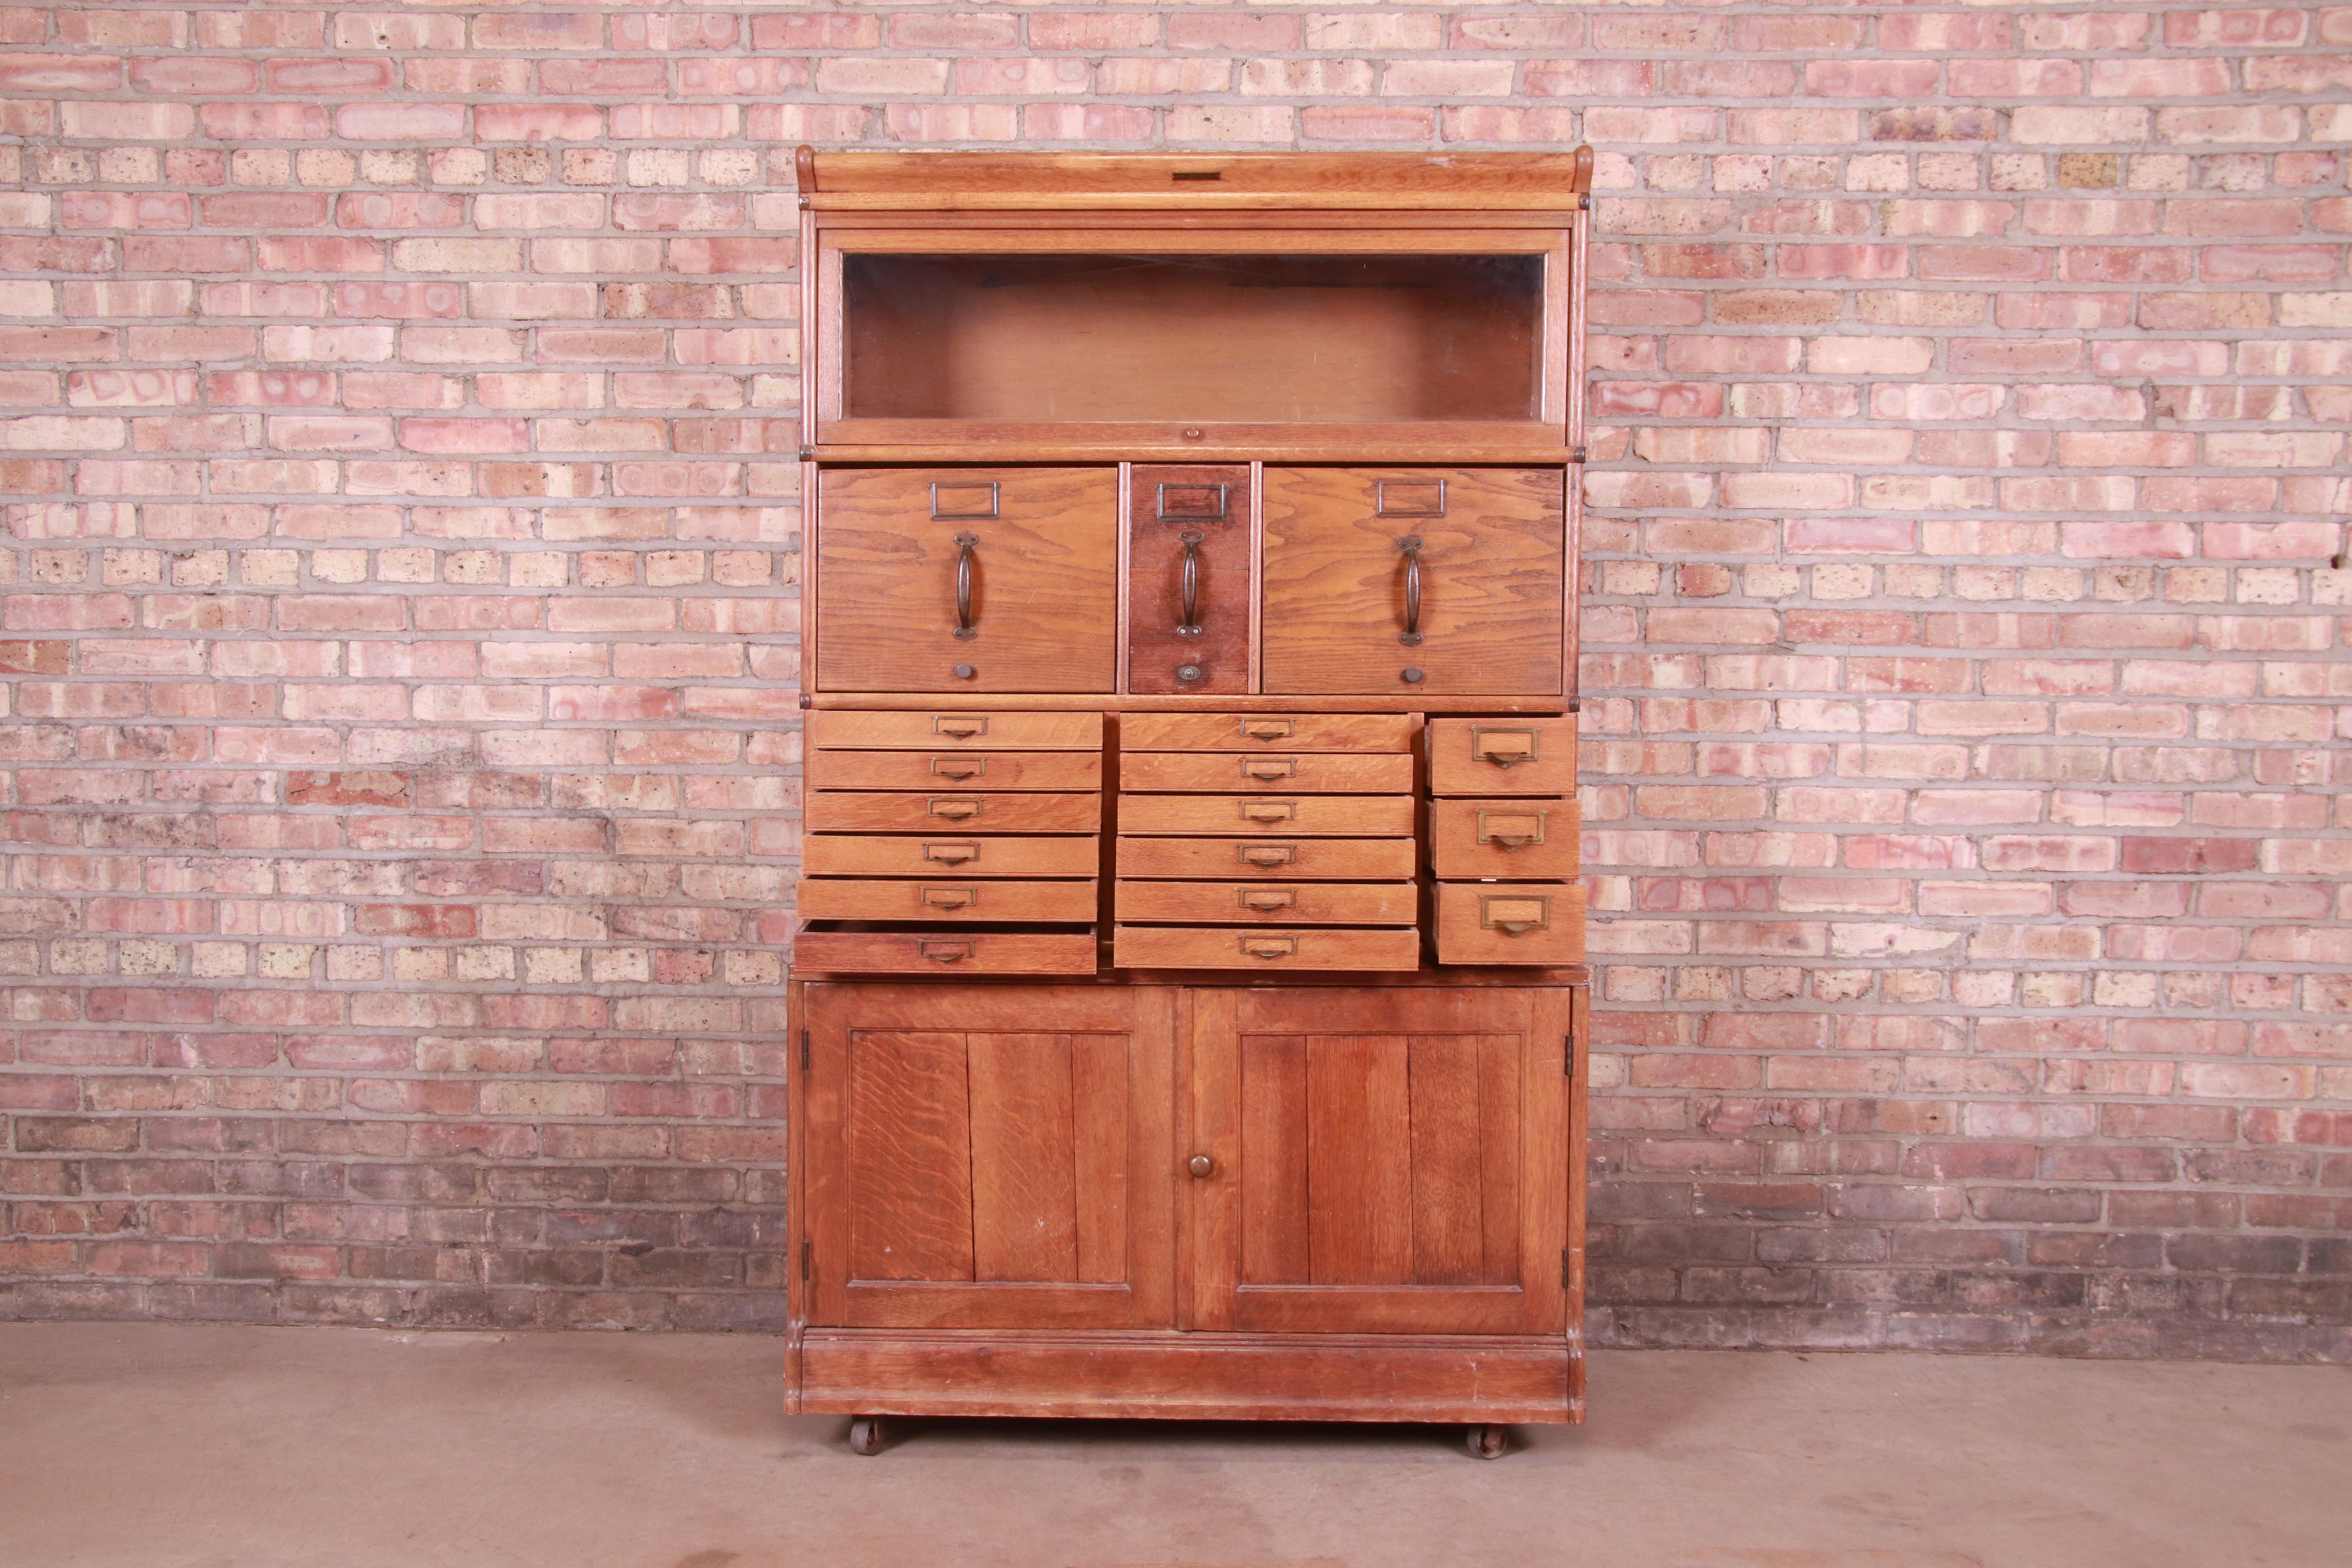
{"points": [[1188, 969]]}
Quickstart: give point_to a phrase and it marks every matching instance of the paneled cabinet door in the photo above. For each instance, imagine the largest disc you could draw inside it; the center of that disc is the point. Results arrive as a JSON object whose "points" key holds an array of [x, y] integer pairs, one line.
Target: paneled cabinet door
{"points": [[967, 579], [1380, 1161], [1414, 580], [990, 1157]]}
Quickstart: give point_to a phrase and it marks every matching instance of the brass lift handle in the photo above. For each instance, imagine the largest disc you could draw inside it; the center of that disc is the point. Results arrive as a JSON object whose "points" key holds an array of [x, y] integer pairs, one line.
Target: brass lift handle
{"points": [[966, 545], [1411, 546]]}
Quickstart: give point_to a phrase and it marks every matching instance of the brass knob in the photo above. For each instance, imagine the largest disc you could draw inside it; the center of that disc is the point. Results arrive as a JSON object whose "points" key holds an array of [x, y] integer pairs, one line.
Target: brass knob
{"points": [[1201, 1166]]}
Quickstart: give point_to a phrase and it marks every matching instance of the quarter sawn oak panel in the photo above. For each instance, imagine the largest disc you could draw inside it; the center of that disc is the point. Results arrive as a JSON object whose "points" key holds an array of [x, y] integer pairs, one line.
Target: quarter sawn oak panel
{"points": [[1493, 559], [968, 1168], [1044, 579]]}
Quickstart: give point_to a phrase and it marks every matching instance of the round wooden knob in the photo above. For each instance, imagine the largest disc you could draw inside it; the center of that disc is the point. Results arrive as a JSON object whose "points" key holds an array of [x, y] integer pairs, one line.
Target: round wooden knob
{"points": [[1201, 1165]]}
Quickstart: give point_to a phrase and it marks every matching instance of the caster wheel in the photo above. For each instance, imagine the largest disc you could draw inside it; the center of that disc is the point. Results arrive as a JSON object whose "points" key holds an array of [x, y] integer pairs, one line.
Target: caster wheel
{"points": [[866, 1435], [1489, 1442]]}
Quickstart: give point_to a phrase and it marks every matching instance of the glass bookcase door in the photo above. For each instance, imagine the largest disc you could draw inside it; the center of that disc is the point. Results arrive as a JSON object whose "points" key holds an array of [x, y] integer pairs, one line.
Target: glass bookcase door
{"points": [[1131, 334]]}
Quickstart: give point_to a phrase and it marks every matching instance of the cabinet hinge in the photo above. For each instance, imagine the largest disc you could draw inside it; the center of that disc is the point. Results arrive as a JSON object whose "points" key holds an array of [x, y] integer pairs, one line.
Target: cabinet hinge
{"points": [[1565, 1282], [804, 1067], [1568, 1056], [807, 1265]]}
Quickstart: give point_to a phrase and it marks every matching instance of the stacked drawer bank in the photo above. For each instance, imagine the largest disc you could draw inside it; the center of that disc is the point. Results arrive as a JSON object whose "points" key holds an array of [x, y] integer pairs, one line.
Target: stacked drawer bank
{"points": [[1275, 839], [972, 842]]}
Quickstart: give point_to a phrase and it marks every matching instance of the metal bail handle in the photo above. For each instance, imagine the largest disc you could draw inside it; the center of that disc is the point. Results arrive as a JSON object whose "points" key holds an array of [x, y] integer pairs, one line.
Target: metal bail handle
{"points": [[1191, 538], [966, 545], [1411, 546]]}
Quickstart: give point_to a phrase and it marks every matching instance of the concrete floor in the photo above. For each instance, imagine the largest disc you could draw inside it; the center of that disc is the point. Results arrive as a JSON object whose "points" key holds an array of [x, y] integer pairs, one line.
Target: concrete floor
{"points": [[183, 1446]]}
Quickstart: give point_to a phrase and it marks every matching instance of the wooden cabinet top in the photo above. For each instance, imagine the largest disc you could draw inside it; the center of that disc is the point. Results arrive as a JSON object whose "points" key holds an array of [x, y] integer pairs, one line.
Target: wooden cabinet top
{"points": [[981, 180]]}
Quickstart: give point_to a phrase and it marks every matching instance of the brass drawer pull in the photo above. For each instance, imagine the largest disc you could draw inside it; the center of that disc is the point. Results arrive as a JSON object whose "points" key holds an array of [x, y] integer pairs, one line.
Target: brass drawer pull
{"points": [[1410, 636], [1269, 729], [1269, 810], [967, 544], [945, 951], [962, 726], [955, 852], [963, 898], [1270, 767], [1505, 748], [1514, 916], [1509, 829], [958, 768], [1191, 538], [1270, 946], [1268, 854], [958, 810], [1269, 897]]}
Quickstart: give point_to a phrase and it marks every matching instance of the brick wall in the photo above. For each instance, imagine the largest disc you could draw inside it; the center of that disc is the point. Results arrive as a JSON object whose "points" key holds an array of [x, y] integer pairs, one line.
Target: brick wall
{"points": [[400, 634]]}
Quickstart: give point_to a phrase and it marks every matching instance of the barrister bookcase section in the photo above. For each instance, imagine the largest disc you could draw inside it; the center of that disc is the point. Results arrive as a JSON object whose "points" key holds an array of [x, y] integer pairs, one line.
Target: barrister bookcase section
{"points": [[1188, 971]]}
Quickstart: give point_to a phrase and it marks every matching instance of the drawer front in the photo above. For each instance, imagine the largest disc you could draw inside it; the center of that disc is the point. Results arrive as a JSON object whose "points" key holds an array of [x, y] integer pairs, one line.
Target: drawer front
{"points": [[1309, 772], [946, 854], [1414, 580], [1331, 815], [967, 580], [1505, 922], [1287, 860], [835, 729], [1510, 840], [945, 899], [1189, 525], [1198, 947], [1261, 903], [1502, 756], [945, 952], [1266, 732], [955, 770], [854, 811]]}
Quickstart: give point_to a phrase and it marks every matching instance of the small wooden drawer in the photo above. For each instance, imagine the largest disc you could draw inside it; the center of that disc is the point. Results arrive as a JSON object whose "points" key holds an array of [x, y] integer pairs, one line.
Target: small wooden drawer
{"points": [[1281, 860], [1309, 772], [923, 898], [1510, 922], [1502, 756], [1265, 732], [1516, 839], [835, 729], [943, 952], [854, 811], [1317, 815], [1212, 947], [947, 855], [1261, 903], [955, 770]]}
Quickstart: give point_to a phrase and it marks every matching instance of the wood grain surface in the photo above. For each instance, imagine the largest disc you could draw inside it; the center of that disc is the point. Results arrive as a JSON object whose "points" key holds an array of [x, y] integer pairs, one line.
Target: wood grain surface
{"points": [[1502, 756], [1165, 502], [1296, 772], [1513, 840], [948, 854], [953, 729], [1292, 859], [1492, 570], [952, 770], [1044, 588]]}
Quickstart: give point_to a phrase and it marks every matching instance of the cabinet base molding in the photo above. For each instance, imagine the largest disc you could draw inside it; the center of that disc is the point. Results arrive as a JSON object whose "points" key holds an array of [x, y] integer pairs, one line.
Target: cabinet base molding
{"points": [[1191, 1376]]}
